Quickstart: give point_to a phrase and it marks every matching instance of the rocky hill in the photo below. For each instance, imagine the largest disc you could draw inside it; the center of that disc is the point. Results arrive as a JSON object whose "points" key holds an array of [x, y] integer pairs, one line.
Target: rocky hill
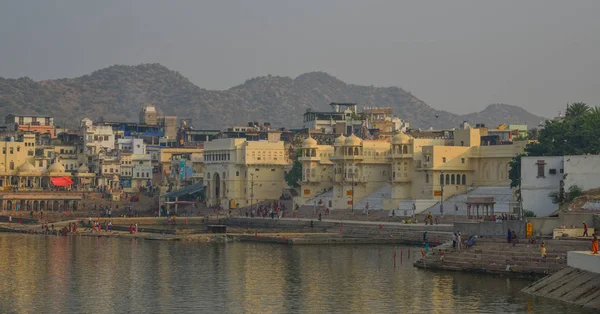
{"points": [[117, 93]]}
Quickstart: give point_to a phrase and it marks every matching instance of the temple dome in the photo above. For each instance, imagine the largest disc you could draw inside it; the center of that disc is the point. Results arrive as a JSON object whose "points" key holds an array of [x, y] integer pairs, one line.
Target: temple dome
{"points": [[83, 169], [340, 140], [401, 138], [27, 167], [309, 141], [56, 167], [353, 140]]}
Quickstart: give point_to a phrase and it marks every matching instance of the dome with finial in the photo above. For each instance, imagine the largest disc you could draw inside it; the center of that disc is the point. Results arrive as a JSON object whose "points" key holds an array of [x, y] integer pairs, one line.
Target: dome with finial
{"points": [[56, 167], [309, 142], [340, 140], [115, 178], [83, 169], [27, 167], [353, 140], [401, 138]]}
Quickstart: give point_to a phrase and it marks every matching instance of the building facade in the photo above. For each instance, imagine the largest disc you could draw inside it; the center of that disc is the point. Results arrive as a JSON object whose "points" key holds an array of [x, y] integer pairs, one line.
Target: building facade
{"points": [[238, 173], [401, 169]]}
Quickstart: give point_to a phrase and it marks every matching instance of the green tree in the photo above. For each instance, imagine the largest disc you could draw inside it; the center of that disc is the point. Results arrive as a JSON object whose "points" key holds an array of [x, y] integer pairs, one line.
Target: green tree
{"points": [[577, 109], [294, 175]]}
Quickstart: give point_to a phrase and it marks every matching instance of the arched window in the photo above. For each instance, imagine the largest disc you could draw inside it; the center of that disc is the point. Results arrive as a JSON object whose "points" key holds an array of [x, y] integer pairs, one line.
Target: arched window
{"points": [[356, 151], [313, 153], [441, 179], [452, 179], [464, 179], [447, 179], [147, 174], [404, 149]]}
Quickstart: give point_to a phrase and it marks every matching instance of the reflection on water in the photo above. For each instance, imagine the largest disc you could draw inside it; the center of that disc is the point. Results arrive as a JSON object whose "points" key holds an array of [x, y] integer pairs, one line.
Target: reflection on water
{"points": [[107, 275]]}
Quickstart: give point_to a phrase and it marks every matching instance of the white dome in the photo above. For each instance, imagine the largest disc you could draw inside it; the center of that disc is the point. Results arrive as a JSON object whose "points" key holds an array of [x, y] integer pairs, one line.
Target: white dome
{"points": [[401, 137], [352, 140], [83, 169], [309, 141], [56, 167], [26, 167], [340, 140]]}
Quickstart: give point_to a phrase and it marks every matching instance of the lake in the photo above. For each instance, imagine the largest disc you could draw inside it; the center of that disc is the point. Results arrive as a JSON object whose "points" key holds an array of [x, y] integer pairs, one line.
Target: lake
{"points": [[49, 274]]}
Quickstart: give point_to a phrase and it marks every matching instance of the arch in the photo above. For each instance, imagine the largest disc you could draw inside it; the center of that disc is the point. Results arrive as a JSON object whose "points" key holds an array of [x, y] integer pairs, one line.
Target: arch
{"points": [[452, 179], [404, 149], [464, 179], [356, 151], [441, 179], [313, 153], [447, 179], [217, 185], [500, 171], [485, 171]]}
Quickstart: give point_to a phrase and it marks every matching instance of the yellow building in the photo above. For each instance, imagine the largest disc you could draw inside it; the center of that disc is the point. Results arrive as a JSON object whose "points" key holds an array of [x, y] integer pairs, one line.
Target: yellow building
{"points": [[401, 169], [239, 172]]}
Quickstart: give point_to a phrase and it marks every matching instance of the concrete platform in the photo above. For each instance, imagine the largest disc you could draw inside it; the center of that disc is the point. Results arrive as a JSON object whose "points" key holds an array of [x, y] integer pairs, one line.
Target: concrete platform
{"points": [[584, 260]]}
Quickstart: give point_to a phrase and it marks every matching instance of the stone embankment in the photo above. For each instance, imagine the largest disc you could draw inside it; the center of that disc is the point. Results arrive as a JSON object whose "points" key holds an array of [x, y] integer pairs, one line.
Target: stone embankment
{"points": [[570, 285], [495, 256]]}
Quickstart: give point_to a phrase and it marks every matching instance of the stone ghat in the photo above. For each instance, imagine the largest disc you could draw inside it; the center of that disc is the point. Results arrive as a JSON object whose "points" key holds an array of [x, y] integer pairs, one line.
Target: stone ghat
{"points": [[495, 256], [570, 285]]}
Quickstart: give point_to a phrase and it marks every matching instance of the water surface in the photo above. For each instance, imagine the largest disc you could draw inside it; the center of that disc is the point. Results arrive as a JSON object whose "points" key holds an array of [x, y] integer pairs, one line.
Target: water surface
{"points": [[48, 274]]}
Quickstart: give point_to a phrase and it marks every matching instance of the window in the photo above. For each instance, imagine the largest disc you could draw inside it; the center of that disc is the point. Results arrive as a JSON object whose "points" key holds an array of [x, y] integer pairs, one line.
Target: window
{"points": [[552, 171], [447, 179], [40, 163], [11, 150], [30, 153], [462, 160], [12, 166], [237, 173], [444, 159], [464, 179], [426, 178], [137, 174], [4, 150], [111, 170], [462, 143], [562, 170], [19, 149], [541, 168], [272, 169], [452, 180], [147, 175]]}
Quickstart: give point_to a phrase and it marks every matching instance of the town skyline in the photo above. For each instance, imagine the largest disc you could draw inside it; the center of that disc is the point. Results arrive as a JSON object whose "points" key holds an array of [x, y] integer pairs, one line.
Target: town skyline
{"points": [[459, 57]]}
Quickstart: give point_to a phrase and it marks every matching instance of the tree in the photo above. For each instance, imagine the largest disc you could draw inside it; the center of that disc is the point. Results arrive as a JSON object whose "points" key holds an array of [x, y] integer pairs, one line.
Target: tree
{"points": [[533, 133], [294, 175], [577, 109], [514, 174]]}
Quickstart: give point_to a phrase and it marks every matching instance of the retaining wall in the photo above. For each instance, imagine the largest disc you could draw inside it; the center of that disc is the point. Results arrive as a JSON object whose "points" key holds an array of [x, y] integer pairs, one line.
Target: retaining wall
{"points": [[491, 229]]}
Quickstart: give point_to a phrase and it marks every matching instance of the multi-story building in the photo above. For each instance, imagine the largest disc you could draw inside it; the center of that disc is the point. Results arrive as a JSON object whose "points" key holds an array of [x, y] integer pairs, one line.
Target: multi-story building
{"points": [[97, 138], [239, 172], [342, 119], [402, 169], [32, 123]]}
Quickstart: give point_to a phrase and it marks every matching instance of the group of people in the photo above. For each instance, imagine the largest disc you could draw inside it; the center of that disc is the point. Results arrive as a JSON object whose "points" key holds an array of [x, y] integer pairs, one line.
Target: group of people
{"points": [[430, 219], [97, 226]]}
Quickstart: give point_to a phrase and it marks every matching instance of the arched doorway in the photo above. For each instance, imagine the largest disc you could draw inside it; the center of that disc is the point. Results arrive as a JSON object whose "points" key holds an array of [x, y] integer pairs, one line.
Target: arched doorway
{"points": [[217, 184]]}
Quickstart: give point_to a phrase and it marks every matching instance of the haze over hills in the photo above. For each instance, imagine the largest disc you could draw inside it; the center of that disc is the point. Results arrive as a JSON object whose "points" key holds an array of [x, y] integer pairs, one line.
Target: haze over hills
{"points": [[118, 92]]}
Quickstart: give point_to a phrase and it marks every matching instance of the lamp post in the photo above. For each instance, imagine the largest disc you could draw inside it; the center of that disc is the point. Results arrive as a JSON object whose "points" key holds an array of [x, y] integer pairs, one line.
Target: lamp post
{"points": [[442, 194]]}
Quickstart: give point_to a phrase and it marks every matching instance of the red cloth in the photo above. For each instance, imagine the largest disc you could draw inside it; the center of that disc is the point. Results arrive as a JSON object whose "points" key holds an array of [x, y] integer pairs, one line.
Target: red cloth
{"points": [[61, 181]]}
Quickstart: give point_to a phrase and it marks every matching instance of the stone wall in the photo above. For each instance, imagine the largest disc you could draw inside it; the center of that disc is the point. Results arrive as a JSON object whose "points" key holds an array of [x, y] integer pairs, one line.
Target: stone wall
{"points": [[491, 229]]}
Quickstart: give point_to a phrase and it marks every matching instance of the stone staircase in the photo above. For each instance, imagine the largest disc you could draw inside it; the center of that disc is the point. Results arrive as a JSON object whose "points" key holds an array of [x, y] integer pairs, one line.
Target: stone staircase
{"points": [[496, 256], [375, 199], [502, 196]]}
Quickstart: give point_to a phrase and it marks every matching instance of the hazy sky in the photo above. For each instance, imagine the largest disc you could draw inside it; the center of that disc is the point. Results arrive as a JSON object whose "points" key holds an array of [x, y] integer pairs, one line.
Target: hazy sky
{"points": [[454, 55]]}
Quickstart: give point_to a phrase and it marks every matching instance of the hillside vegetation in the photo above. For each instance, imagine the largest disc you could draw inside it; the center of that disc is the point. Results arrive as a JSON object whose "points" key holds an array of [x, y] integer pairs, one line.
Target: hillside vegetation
{"points": [[117, 93]]}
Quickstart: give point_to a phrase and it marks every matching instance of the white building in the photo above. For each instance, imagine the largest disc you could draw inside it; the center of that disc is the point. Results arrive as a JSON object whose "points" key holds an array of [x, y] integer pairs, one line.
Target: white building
{"points": [[541, 176], [142, 164], [97, 137]]}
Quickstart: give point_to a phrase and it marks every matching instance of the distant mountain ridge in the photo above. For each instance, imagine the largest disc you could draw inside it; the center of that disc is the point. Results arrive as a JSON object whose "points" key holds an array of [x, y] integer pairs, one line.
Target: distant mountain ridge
{"points": [[118, 92]]}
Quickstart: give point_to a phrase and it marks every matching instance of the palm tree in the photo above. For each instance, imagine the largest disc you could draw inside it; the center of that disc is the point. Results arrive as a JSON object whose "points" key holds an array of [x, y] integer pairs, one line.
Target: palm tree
{"points": [[577, 109]]}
